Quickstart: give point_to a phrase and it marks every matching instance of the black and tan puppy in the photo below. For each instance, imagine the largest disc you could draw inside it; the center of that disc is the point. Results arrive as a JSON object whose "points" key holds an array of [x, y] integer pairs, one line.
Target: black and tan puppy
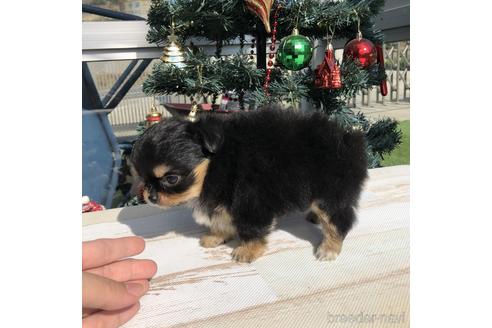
{"points": [[239, 172]]}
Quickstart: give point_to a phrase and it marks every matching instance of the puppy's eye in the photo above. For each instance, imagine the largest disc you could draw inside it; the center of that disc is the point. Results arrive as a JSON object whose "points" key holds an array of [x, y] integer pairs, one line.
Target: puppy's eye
{"points": [[171, 179]]}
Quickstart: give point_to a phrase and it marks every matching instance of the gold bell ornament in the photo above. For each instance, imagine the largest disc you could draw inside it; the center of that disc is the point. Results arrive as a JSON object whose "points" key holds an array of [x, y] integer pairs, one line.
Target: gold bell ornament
{"points": [[153, 117], [192, 116], [172, 52]]}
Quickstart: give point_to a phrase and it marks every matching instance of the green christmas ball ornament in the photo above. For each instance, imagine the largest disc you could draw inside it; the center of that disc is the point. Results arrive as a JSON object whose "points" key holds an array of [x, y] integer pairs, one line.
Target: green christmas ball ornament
{"points": [[295, 51]]}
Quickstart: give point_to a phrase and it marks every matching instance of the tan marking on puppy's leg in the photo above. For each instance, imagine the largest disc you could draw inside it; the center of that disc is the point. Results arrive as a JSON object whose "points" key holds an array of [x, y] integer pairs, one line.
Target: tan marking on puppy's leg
{"points": [[145, 195], [331, 245], [210, 241], [249, 251], [221, 229], [200, 171], [160, 170]]}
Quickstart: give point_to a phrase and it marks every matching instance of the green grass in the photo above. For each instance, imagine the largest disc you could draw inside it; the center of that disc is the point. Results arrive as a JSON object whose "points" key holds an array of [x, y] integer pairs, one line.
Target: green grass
{"points": [[401, 155]]}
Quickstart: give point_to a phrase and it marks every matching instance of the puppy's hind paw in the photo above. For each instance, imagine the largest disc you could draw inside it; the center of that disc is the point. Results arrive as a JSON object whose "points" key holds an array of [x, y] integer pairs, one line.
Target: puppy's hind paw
{"points": [[210, 241]]}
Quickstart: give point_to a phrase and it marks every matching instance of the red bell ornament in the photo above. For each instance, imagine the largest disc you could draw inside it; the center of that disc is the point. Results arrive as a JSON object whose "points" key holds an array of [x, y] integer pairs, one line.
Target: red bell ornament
{"points": [[153, 117], [361, 49]]}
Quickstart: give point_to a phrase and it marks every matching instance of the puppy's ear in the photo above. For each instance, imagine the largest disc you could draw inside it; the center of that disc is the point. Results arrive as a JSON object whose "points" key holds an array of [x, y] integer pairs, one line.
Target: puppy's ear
{"points": [[208, 133]]}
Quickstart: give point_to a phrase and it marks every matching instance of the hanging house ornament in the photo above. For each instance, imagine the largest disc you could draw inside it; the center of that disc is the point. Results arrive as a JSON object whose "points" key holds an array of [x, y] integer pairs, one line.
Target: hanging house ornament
{"points": [[295, 51], [172, 52], [361, 49], [327, 74], [261, 8]]}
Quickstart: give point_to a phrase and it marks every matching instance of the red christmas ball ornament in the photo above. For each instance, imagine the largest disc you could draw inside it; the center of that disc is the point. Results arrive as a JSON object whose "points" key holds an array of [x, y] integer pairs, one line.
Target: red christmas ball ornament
{"points": [[361, 49]]}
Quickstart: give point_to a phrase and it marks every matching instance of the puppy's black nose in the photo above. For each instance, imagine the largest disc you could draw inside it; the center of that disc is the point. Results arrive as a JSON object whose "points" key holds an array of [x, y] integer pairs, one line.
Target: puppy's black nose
{"points": [[153, 196]]}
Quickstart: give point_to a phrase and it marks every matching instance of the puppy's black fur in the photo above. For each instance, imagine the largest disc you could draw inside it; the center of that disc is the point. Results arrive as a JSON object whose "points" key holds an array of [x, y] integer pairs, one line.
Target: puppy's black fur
{"points": [[262, 165]]}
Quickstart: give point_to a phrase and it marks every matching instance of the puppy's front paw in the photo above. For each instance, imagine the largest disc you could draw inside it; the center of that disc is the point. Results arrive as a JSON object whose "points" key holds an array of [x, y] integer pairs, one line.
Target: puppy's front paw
{"points": [[249, 251], [325, 252], [209, 241]]}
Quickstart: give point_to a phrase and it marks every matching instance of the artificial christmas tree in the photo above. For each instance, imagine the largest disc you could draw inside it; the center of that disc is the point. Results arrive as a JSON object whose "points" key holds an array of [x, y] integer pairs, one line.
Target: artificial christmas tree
{"points": [[255, 84]]}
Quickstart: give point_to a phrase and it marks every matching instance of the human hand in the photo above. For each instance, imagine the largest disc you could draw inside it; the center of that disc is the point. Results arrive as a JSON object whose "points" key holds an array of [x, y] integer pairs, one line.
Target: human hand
{"points": [[112, 285]]}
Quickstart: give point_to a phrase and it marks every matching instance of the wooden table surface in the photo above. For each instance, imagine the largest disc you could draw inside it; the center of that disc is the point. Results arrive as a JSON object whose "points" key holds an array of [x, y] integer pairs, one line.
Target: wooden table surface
{"points": [[367, 285]]}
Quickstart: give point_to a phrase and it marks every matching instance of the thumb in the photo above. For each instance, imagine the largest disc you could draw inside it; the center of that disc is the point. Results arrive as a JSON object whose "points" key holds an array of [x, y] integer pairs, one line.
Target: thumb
{"points": [[106, 294]]}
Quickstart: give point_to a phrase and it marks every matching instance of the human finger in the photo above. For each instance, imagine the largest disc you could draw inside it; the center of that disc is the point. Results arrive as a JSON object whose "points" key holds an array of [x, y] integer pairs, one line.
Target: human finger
{"points": [[125, 270], [87, 312], [110, 319], [106, 294], [103, 251]]}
